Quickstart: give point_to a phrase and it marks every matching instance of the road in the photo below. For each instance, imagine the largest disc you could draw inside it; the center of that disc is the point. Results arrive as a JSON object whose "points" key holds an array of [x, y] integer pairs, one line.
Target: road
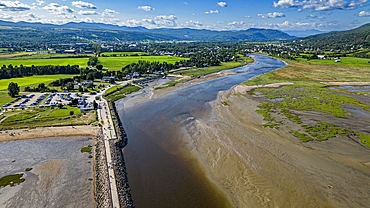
{"points": [[109, 133]]}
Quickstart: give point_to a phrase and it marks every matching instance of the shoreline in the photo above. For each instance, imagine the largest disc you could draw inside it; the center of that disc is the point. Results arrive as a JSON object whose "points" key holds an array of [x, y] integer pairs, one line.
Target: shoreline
{"points": [[46, 132]]}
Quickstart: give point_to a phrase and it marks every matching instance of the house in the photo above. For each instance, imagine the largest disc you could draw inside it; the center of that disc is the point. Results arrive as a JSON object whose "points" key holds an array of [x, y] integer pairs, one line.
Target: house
{"points": [[321, 57], [136, 74], [72, 51], [86, 82], [337, 60], [107, 79]]}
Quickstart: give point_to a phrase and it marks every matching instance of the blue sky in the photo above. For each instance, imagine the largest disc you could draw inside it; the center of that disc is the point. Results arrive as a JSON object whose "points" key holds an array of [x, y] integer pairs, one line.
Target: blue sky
{"points": [[325, 15]]}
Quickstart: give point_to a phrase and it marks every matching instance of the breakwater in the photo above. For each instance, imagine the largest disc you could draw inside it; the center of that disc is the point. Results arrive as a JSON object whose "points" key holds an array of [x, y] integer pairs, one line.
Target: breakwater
{"points": [[116, 146], [103, 196]]}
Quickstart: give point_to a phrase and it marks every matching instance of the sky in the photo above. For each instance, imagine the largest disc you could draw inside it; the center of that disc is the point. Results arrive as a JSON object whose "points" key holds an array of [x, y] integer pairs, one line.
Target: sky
{"points": [[324, 15]]}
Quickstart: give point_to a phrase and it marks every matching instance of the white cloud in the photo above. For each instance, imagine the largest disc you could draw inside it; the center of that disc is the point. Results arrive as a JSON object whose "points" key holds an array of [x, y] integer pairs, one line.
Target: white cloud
{"points": [[212, 12], [57, 9], [13, 6], [193, 24], [185, 2], [271, 15], [164, 17], [134, 23], [320, 5], [150, 21], [109, 13], [247, 16], [111, 21], [146, 8], [81, 12], [363, 14], [222, 4], [5, 16], [38, 2], [83, 5]]}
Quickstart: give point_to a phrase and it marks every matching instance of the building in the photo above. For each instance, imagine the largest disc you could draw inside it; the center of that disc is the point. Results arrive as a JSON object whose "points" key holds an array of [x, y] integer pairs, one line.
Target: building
{"points": [[107, 79], [321, 57], [72, 51]]}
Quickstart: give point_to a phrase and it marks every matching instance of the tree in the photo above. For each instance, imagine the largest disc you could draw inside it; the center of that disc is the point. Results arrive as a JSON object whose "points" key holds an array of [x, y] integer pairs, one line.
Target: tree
{"points": [[92, 61], [70, 86], [95, 104], [90, 85], [80, 89], [74, 102], [90, 76], [60, 105], [99, 67], [13, 89], [71, 113], [112, 80]]}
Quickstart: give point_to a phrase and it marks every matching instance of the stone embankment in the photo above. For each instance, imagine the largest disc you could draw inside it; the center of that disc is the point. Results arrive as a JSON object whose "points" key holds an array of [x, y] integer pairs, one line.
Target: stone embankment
{"points": [[116, 146], [103, 196]]}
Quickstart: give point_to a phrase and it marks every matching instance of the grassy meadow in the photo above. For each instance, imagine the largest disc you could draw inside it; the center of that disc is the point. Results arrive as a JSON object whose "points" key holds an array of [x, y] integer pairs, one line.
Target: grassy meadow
{"points": [[114, 63], [344, 61], [33, 80]]}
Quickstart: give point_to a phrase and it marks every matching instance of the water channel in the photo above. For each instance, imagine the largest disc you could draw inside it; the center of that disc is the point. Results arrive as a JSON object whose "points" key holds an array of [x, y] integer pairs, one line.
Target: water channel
{"points": [[162, 171]]}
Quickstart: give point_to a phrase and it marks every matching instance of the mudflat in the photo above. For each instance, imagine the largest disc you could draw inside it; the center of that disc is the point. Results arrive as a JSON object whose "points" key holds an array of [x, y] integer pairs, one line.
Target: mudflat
{"points": [[264, 167], [59, 176]]}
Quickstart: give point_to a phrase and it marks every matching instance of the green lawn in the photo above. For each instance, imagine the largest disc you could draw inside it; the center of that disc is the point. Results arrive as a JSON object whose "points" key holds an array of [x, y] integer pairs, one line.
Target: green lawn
{"points": [[36, 79], [47, 117], [5, 98], [344, 61]]}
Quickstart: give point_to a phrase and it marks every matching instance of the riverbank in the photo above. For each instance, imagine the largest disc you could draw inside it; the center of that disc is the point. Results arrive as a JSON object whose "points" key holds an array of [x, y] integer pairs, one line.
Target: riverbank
{"points": [[45, 132]]}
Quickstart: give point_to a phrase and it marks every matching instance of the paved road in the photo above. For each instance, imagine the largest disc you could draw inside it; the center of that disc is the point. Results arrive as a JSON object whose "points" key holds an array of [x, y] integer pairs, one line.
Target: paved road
{"points": [[109, 133]]}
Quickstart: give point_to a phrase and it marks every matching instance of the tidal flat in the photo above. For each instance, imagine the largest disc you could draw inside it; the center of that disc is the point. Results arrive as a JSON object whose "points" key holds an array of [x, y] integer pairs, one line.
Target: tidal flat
{"points": [[59, 176]]}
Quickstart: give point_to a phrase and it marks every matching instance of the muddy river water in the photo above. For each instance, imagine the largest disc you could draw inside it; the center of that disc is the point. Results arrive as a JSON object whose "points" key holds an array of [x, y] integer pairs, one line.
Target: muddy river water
{"points": [[162, 171]]}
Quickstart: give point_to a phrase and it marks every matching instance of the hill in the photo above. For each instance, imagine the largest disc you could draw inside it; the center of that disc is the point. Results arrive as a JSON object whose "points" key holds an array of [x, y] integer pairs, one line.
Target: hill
{"points": [[21, 32], [357, 36]]}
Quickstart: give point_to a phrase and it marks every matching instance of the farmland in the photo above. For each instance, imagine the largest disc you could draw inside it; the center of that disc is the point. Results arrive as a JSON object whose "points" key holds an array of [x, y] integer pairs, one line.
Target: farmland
{"points": [[115, 63], [344, 61], [36, 79]]}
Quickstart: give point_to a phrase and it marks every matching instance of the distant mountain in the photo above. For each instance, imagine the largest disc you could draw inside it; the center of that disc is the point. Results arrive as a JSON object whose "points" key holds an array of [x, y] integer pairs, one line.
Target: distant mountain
{"points": [[107, 32], [357, 36], [303, 33]]}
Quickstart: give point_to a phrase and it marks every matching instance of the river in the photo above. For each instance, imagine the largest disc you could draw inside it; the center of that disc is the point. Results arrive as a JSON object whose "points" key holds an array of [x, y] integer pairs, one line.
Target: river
{"points": [[162, 170]]}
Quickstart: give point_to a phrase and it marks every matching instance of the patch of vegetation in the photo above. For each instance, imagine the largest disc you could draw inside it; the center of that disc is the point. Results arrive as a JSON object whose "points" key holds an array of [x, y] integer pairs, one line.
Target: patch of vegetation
{"points": [[90, 179], [172, 83], [196, 72], [86, 149], [11, 180], [123, 92], [90, 156], [365, 139], [224, 103], [28, 169]]}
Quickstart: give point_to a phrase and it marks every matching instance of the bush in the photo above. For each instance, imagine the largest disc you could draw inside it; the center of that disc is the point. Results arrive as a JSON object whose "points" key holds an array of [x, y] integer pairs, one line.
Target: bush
{"points": [[71, 113]]}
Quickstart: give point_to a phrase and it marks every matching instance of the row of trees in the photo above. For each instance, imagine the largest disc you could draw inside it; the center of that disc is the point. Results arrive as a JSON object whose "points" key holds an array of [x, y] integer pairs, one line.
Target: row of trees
{"points": [[10, 71]]}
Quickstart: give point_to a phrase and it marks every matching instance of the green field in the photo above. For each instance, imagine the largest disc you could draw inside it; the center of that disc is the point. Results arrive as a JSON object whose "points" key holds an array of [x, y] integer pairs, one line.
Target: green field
{"points": [[344, 61], [47, 116], [115, 63], [122, 93], [36, 79], [122, 53]]}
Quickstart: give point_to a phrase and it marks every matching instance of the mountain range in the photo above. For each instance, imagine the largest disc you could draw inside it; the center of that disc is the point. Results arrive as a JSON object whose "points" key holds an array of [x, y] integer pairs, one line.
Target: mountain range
{"points": [[105, 32]]}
